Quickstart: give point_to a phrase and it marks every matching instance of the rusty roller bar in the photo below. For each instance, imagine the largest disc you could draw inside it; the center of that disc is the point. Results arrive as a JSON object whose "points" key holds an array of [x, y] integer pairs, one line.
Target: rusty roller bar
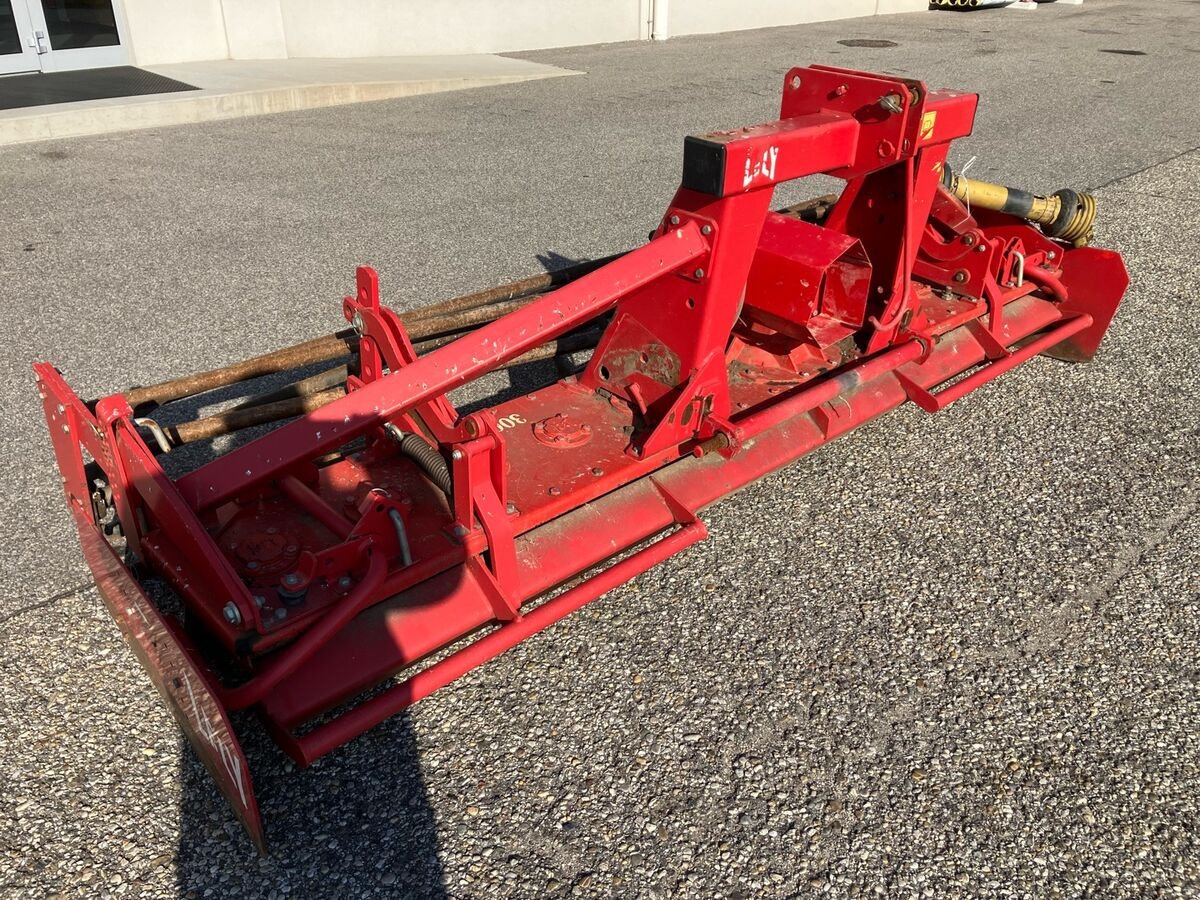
{"points": [[814, 210], [318, 350], [237, 419], [295, 357], [314, 392], [447, 317], [313, 384], [516, 290], [329, 378]]}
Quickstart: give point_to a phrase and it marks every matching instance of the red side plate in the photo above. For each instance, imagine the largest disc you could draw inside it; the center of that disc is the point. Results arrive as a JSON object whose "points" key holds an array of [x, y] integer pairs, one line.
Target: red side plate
{"points": [[177, 678]]}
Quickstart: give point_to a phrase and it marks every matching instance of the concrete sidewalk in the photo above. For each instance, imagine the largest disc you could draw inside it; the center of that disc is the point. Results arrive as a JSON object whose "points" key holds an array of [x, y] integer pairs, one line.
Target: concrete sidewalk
{"points": [[230, 89]]}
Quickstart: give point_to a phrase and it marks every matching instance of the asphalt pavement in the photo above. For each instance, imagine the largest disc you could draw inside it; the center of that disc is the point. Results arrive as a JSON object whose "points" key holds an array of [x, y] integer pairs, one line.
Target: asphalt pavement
{"points": [[950, 655]]}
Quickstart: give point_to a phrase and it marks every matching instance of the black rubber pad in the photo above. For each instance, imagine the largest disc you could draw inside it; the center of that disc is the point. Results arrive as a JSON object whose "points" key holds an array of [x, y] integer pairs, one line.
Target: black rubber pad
{"points": [[42, 89]]}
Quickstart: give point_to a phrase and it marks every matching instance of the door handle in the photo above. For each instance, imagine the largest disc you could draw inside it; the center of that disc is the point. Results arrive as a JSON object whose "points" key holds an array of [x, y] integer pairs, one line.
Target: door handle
{"points": [[39, 41]]}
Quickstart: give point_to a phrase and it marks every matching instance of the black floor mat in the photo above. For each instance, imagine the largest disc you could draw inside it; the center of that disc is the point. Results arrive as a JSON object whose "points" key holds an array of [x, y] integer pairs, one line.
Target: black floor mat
{"points": [[17, 91]]}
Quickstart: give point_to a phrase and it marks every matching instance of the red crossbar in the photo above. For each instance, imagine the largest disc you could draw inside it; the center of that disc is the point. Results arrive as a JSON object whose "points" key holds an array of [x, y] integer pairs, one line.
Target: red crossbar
{"points": [[441, 371]]}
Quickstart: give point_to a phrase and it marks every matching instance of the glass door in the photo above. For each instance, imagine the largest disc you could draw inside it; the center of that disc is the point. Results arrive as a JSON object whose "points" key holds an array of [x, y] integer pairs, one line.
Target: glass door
{"points": [[57, 35], [77, 34], [18, 47]]}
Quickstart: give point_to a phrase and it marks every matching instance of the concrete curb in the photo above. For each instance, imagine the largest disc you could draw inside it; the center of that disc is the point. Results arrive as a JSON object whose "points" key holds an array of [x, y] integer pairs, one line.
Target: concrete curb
{"points": [[67, 120]]}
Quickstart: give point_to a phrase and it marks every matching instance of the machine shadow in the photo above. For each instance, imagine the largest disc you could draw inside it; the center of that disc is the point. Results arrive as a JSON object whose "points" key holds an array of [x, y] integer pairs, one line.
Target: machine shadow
{"points": [[362, 813]]}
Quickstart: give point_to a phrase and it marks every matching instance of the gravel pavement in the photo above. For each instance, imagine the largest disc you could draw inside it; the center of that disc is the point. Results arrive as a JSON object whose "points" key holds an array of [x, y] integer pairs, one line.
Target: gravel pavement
{"points": [[948, 656]]}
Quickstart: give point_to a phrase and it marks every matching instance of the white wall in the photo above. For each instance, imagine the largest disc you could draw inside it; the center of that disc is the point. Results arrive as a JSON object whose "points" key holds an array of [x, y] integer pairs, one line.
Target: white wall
{"points": [[887, 7], [709, 16], [402, 27], [163, 31], [254, 29]]}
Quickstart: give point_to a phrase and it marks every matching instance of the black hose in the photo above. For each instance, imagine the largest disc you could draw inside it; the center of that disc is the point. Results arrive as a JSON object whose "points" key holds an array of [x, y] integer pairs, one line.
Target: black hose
{"points": [[425, 455]]}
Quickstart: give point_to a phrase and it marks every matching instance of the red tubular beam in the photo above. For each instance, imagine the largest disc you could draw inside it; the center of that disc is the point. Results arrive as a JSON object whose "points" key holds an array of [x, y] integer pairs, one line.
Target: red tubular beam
{"points": [[442, 370], [1048, 283], [308, 500], [931, 402], [296, 654], [383, 706], [809, 398]]}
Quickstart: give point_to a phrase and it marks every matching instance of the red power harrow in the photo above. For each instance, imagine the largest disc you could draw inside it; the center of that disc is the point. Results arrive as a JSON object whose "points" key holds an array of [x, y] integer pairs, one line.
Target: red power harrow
{"points": [[321, 564]]}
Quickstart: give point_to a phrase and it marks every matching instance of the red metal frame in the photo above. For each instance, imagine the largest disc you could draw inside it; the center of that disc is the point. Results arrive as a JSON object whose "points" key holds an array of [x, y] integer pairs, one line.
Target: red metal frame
{"points": [[741, 339]]}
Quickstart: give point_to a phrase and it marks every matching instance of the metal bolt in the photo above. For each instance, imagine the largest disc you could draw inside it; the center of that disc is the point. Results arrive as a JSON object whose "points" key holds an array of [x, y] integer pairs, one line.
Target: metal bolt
{"points": [[61, 409], [457, 454], [960, 276], [1050, 254], [892, 103], [554, 492], [260, 601], [674, 220], [232, 614], [460, 531], [699, 273], [66, 428], [982, 248], [357, 323], [706, 229], [291, 579], [511, 509], [968, 240], [280, 613], [597, 471], [344, 582]]}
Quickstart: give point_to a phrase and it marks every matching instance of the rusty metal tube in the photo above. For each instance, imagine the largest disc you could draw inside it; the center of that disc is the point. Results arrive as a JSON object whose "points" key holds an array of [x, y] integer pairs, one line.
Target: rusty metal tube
{"points": [[306, 354], [268, 411], [513, 291], [318, 350], [462, 320], [330, 378], [813, 210], [237, 419], [449, 316], [314, 384]]}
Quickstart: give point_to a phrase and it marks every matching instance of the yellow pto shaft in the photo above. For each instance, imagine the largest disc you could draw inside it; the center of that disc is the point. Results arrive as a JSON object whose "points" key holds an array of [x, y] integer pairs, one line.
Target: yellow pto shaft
{"points": [[1067, 215]]}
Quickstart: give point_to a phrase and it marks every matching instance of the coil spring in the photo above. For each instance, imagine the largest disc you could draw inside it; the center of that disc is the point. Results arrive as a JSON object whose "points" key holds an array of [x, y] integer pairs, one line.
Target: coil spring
{"points": [[425, 455]]}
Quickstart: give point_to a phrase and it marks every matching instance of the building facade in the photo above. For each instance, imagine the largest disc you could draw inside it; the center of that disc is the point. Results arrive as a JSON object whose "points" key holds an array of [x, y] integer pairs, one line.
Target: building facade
{"points": [[54, 35]]}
